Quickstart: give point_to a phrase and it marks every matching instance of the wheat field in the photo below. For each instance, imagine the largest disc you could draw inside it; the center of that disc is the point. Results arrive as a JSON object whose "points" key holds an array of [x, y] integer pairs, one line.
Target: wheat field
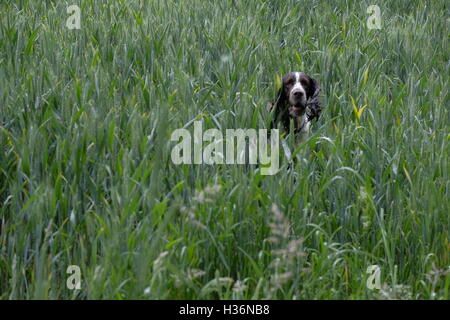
{"points": [[87, 180]]}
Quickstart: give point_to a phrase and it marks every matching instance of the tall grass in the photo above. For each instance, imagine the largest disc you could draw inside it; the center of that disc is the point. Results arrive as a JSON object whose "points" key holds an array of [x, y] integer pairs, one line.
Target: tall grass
{"points": [[85, 171]]}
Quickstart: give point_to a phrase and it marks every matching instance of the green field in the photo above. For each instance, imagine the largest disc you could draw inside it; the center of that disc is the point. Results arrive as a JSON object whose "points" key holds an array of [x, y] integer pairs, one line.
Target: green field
{"points": [[86, 176]]}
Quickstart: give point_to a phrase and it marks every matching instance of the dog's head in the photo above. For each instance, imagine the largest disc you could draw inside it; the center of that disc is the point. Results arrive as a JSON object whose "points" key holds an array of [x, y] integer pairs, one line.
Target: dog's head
{"points": [[298, 93]]}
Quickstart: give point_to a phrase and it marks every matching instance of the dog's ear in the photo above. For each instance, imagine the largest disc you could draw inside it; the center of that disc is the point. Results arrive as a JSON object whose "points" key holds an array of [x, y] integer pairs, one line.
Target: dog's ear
{"points": [[279, 99], [277, 107], [312, 88], [280, 113], [314, 107]]}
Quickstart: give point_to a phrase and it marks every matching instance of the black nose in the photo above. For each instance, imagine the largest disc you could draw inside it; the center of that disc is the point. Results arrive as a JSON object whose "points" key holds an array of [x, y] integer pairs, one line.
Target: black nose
{"points": [[298, 94]]}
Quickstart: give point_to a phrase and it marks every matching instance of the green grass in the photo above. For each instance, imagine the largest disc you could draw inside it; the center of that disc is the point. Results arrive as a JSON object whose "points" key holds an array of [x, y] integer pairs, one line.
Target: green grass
{"points": [[85, 171]]}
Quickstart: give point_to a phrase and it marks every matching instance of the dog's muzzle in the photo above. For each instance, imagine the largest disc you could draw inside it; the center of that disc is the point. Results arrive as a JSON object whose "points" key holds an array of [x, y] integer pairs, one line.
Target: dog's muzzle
{"points": [[296, 111], [297, 97]]}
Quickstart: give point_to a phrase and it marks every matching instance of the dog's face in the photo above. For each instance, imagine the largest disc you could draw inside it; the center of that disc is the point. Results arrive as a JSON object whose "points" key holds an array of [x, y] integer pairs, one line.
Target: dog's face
{"points": [[298, 93], [296, 89]]}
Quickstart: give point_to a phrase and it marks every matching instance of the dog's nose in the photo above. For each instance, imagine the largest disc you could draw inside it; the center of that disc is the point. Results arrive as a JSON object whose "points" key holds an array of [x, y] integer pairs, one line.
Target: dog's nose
{"points": [[298, 94]]}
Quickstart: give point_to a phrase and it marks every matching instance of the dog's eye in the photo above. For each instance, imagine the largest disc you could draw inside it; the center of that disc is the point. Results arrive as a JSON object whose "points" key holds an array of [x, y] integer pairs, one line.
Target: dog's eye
{"points": [[304, 82], [290, 82]]}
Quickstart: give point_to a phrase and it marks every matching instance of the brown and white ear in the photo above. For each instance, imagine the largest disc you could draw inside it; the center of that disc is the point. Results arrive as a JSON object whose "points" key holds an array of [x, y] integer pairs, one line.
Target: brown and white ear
{"points": [[314, 107], [312, 88]]}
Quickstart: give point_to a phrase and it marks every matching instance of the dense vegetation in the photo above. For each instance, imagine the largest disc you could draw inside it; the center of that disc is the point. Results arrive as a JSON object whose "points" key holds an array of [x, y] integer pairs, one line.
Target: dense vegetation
{"points": [[86, 176]]}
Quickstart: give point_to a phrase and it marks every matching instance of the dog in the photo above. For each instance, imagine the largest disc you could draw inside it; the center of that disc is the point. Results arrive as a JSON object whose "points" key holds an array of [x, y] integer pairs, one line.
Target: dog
{"points": [[297, 99]]}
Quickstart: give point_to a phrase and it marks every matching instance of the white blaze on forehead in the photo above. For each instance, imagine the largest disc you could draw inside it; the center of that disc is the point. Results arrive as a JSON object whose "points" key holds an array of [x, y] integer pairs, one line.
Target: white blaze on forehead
{"points": [[297, 86]]}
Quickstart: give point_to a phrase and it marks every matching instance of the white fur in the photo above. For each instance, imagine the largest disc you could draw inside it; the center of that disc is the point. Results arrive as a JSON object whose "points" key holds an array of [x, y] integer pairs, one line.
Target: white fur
{"points": [[297, 88], [304, 126]]}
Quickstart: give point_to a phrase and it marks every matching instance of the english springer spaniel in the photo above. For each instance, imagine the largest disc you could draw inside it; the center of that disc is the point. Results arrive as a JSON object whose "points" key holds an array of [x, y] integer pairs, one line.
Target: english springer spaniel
{"points": [[297, 99]]}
